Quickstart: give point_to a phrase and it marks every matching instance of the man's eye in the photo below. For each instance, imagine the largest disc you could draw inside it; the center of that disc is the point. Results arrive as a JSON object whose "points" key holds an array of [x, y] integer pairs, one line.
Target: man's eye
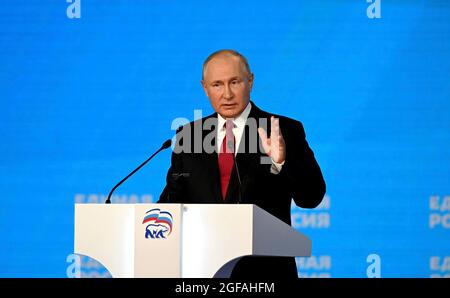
{"points": [[235, 82]]}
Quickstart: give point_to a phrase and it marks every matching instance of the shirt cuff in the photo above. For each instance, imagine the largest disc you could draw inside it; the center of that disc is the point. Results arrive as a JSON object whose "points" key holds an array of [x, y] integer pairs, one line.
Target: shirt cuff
{"points": [[275, 168]]}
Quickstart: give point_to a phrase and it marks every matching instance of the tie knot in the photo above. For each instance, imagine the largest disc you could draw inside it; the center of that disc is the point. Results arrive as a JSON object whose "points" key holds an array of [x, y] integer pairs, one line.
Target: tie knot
{"points": [[229, 125], [228, 141]]}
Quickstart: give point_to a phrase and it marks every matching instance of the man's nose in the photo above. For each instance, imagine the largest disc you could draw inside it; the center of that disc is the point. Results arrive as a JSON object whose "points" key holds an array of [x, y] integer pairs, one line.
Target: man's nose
{"points": [[227, 93]]}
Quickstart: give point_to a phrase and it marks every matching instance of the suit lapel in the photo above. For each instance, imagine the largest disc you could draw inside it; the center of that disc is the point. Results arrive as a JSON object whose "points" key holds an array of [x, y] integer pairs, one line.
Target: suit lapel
{"points": [[211, 159]]}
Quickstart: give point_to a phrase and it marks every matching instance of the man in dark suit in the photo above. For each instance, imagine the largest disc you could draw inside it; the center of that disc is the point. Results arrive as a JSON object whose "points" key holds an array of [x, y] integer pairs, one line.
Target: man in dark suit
{"points": [[272, 165]]}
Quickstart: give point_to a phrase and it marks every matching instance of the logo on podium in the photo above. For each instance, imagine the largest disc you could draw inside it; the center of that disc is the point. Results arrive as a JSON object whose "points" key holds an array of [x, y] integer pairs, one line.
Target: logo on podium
{"points": [[159, 224]]}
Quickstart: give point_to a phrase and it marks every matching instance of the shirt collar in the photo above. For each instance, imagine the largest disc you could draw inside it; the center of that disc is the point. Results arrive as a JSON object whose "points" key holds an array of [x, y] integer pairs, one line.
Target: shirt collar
{"points": [[239, 121]]}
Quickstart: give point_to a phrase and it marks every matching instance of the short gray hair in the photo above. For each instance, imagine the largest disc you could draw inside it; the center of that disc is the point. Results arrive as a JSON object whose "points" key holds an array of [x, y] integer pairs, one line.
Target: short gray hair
{"points": [[227, 53]]}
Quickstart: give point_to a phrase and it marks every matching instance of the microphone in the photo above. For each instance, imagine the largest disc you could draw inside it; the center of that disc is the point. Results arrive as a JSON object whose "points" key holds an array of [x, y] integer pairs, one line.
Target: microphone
{"points": [[231, 146], [165, 145], [239, 180]]}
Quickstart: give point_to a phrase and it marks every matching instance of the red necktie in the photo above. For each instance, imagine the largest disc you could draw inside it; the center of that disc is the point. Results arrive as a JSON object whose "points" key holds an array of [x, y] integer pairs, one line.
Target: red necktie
{"points": [[226, 158]]}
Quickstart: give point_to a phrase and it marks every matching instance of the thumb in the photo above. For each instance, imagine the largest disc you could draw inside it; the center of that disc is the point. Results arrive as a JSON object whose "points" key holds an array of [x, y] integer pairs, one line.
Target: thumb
{"points": [[265, 141]]}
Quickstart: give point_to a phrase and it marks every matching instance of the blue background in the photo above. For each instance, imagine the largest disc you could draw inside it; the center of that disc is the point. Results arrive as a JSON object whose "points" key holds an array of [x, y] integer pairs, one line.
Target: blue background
{"points": [[86, 100]]}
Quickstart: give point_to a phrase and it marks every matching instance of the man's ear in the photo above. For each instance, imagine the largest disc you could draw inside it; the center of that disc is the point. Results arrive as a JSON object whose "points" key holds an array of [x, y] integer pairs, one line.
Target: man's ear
{"points": [[251, 77], [204, 87]]}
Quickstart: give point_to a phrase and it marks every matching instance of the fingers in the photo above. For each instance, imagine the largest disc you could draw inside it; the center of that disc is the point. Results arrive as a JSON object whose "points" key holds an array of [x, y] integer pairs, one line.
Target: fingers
{"points": [[278, 148], [275, 135], [274, 129], [273, 145]]}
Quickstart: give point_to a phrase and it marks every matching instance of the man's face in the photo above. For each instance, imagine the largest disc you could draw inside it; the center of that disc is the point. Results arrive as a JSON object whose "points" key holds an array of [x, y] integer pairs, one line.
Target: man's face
{"points": [[227, 85]]}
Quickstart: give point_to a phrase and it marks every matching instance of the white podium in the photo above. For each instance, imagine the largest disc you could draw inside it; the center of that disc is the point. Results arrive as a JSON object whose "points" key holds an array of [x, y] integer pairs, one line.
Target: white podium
{"points": [[181, 240]]}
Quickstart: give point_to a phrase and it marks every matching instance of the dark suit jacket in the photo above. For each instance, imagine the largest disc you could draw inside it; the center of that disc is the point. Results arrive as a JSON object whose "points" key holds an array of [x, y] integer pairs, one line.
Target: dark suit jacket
{"points": [[300, 179]]}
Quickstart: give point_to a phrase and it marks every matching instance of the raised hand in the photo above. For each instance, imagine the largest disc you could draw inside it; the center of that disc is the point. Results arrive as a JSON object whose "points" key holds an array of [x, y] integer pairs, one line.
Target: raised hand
{"points": [[274, 146]]}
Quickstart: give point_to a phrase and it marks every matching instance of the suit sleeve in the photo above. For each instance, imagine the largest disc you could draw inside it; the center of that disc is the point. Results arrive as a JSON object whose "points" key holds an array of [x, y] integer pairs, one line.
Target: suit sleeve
{"points": [[301, 173]]}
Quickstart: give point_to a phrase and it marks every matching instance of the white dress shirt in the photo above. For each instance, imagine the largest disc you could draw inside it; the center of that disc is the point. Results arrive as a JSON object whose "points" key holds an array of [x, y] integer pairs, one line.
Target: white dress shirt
{"points": [[238, 129]]}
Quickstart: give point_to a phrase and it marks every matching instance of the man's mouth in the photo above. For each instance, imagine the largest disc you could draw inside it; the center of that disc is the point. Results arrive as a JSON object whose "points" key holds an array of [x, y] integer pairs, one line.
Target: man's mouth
{"points": [[229, 105]]}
